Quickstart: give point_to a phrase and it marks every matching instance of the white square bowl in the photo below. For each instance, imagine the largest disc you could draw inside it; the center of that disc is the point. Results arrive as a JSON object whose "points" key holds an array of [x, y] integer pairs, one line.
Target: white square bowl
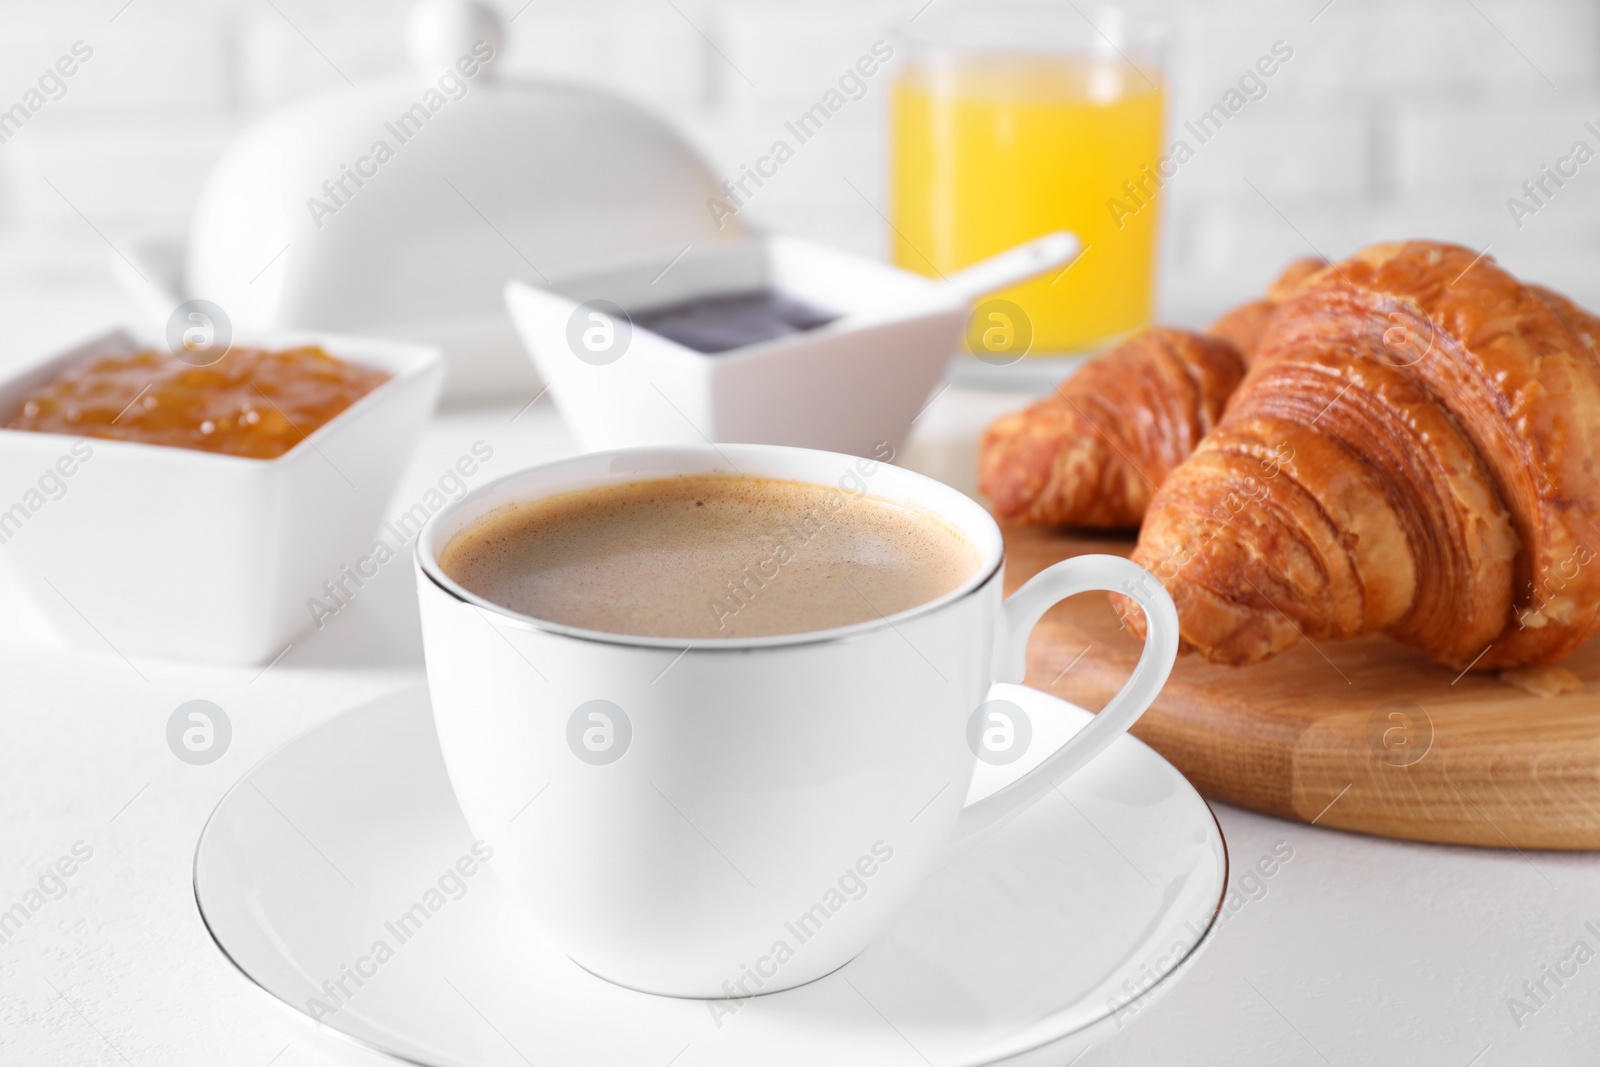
{"points": [[852, 386], [173, 552]]}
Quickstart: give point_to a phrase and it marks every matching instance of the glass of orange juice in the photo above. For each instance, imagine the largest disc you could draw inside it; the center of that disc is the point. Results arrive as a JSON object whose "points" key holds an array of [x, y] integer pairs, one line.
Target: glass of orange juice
{"points": [[1012, 119]]}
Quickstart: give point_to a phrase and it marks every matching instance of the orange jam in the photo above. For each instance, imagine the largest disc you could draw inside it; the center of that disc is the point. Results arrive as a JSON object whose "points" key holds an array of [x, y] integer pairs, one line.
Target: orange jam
{"points": [[252, 402]]}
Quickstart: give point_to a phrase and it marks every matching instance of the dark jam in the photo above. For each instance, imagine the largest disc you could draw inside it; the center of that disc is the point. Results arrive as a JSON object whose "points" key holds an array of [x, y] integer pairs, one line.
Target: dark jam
{"points": [[727, 321]]}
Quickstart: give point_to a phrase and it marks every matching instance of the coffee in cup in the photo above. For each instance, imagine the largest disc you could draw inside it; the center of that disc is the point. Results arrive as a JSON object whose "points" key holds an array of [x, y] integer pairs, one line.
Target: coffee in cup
{"points": [[708, 556]]}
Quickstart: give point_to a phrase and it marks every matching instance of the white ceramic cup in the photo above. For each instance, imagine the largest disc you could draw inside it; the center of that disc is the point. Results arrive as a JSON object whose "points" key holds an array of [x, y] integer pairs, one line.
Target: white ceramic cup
{"points": [[719, 818]]}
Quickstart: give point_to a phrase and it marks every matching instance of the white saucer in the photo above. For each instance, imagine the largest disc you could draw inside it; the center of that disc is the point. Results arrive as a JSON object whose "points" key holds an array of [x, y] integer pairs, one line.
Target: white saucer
{"points": [[1044, 940]]}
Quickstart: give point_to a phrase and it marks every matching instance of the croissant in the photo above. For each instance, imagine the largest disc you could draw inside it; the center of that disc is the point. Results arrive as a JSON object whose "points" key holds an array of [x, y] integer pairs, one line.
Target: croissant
{"points": [[1093, 453], [1415, 450]]}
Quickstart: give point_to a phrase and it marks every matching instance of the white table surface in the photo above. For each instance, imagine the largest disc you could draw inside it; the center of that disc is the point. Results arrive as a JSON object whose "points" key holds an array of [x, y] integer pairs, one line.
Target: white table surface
{"points": [[1355, 951]]}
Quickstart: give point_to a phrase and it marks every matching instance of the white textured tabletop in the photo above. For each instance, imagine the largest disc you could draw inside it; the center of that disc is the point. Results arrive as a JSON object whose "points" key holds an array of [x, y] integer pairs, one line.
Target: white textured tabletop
{"points": [[1353, 951]]}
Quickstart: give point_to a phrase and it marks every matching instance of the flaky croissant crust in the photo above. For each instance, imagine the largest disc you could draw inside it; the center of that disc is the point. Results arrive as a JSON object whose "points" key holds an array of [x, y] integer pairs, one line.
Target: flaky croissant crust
{"points": [[1415, 450]]}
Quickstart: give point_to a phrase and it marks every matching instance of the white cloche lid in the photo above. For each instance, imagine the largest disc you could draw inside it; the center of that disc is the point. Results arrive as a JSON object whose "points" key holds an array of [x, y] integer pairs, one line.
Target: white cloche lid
{"points": [[402, 207]]}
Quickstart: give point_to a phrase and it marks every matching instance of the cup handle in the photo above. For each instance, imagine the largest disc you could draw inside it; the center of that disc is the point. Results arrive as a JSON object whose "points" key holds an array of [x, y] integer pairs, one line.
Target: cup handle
{"points": [[1019, 614]]}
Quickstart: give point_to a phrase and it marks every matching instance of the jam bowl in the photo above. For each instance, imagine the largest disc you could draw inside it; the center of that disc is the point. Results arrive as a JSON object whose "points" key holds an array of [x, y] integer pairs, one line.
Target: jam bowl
{"points": [[137, 548], [772, 340]]}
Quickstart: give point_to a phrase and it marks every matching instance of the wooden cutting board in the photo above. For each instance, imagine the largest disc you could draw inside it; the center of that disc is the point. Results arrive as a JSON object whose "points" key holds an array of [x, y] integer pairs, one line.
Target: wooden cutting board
{"points": [[1362, 735]]}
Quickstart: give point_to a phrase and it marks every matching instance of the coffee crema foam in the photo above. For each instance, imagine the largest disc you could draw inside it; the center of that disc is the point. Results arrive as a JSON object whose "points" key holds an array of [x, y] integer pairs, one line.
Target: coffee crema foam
{"points": [[709, 556]]}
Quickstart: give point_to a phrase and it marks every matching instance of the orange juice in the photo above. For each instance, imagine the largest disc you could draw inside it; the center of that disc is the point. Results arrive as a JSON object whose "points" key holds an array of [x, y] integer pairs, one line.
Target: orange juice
{"points": [[992, 149]]}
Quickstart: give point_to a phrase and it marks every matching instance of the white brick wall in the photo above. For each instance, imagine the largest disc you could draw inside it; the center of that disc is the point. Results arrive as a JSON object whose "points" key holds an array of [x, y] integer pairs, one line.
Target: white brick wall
{"points": [[1395, 117]]}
